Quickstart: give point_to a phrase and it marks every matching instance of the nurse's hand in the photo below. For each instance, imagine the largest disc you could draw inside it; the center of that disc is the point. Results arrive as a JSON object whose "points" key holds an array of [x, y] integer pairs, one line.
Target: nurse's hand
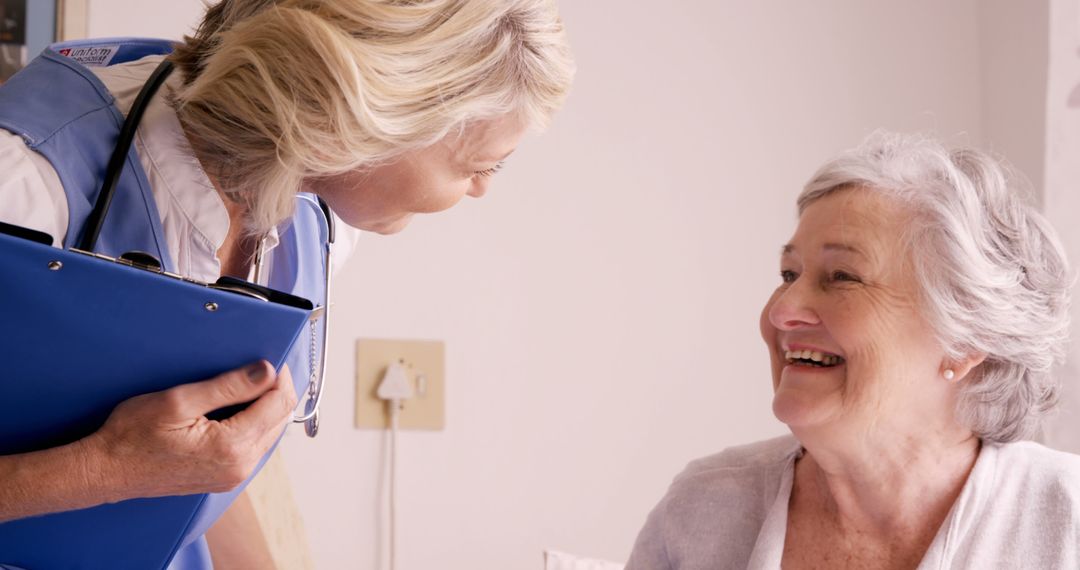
{"points": [[162, 444]]}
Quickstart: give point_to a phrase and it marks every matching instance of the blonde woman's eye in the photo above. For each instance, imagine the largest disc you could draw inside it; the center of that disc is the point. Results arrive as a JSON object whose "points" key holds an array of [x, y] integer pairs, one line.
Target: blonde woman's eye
{"points": [[788, 276], [490, 171]]}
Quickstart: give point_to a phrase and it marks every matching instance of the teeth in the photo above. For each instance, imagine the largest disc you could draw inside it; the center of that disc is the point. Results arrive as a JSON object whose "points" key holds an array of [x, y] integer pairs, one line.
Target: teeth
{"points": [[814, 356]]}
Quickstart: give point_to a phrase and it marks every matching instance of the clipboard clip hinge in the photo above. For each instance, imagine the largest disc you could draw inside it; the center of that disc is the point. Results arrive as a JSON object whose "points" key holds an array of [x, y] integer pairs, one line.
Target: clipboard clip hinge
{"points": [[136, 259], [140, 260]]}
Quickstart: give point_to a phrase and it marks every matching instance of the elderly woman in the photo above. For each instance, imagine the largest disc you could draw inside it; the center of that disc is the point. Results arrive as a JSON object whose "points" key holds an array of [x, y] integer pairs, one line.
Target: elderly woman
{"points": [[921, 305], [381, 108]]}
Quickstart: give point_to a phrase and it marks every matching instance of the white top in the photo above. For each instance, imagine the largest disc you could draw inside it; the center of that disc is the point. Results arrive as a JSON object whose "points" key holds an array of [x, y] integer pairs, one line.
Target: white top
{"points": [[1018, 509], [193, 215]]}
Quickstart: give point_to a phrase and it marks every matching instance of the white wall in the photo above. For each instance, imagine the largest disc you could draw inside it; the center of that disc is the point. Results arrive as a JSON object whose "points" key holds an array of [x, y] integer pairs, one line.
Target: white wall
{"points": [[1014, 53], [142, 18], [600, 305], [1062, 198]]}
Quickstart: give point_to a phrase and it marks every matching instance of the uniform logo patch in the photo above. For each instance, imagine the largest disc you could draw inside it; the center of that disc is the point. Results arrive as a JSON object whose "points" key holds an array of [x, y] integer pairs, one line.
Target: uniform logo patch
{"points": [[94, 56]]}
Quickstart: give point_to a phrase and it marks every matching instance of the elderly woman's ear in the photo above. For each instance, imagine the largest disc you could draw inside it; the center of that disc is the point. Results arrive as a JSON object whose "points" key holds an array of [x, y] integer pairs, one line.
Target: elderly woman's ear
{"points": [[958, 370]]}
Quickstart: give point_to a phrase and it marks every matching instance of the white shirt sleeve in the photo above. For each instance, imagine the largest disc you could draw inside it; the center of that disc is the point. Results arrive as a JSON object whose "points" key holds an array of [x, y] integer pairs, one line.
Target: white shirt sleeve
{"points": [[31, 194]]}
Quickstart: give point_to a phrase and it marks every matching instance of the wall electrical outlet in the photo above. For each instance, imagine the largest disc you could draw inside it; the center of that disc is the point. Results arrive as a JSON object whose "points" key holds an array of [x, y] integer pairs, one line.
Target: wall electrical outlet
{"points": [[424, 362]]}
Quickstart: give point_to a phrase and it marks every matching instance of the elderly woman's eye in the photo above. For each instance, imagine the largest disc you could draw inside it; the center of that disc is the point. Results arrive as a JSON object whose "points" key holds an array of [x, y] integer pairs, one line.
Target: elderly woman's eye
{"points": [[788, 276], [844, 276]]}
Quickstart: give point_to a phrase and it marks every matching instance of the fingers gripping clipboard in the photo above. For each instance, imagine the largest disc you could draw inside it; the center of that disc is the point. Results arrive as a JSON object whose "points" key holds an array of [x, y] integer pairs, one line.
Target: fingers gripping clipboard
{"points": [[79, 334]]}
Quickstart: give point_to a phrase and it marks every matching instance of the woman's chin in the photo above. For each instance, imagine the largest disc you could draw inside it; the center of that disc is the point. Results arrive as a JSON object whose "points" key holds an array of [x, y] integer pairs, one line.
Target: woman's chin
{"points": [[799, 410], [387, 226]]}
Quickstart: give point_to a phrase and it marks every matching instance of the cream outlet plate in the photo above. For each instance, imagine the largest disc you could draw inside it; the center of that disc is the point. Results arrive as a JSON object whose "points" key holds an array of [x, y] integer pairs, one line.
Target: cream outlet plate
{"points": [[424, 362]]}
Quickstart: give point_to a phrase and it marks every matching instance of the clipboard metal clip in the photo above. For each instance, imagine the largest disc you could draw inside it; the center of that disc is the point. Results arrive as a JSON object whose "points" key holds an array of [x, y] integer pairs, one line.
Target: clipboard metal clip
{"points": [[141, 260], [147, 262]]}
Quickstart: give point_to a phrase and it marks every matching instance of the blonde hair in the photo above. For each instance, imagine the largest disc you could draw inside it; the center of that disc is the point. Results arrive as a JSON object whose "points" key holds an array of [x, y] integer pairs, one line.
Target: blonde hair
{"points": [[278, 91]]}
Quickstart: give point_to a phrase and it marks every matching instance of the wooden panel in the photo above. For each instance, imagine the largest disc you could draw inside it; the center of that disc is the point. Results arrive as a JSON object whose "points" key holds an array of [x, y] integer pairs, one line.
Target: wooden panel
{"points": [[71, 20], [279, 518]]}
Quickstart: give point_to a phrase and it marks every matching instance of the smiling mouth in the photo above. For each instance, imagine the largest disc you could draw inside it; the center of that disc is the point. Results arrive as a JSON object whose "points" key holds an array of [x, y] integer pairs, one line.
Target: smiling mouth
{"points": [[812, 359]]}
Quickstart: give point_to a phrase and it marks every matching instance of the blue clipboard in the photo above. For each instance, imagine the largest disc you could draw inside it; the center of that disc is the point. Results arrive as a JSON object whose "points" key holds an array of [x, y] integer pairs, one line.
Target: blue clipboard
{"points": [[79, 335]]}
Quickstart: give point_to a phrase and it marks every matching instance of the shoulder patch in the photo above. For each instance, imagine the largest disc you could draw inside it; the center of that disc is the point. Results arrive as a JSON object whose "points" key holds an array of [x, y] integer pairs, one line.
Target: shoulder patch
{"points": [[91, 56]]}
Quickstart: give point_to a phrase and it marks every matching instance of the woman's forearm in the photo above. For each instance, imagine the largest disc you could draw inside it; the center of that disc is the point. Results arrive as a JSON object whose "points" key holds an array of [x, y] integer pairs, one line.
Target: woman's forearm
{"points": [[156, 445], [63, 478]]}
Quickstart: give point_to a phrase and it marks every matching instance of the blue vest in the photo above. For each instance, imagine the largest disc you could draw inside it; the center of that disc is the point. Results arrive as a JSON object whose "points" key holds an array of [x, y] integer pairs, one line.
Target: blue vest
{"points": [[63, 112]]}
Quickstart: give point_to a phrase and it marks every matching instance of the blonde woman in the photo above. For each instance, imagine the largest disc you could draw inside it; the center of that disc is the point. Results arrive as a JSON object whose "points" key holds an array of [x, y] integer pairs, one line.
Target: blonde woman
{"points": [[381, 108]]}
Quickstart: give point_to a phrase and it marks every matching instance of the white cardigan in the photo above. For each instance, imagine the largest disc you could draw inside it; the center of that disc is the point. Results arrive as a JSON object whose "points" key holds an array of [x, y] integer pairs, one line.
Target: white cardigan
{"points": [[1018, 509]]}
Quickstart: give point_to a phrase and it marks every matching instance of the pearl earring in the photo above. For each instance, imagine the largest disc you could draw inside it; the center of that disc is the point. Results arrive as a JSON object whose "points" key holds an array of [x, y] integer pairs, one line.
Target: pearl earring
{"points": [[949, 374]]}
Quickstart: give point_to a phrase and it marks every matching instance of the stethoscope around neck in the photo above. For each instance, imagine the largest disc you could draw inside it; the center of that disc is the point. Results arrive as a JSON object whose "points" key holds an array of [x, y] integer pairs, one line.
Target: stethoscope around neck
{"points": [[96, 219]]}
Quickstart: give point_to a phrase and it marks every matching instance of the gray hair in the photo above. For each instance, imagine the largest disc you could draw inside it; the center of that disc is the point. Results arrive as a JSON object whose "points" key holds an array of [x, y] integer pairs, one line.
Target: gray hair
{"points": [[993, 274]]}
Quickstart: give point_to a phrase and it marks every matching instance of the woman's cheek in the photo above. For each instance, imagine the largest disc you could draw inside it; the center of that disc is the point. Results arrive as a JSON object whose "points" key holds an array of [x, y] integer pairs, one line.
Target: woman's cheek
{"points": [[452, 193]]}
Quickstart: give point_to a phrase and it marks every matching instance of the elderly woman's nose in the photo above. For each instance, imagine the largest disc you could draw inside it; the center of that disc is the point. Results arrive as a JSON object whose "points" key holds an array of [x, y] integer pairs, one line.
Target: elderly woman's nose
{"points": [[792, 309]]}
